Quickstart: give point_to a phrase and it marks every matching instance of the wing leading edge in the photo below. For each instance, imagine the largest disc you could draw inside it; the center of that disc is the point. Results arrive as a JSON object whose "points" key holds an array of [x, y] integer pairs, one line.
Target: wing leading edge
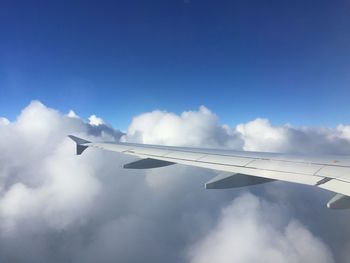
{"points": [[327, 172]]}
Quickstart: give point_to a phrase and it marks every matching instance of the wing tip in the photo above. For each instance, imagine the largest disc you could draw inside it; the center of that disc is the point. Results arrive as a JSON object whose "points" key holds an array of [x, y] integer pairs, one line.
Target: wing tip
{"points": [[79, 141]]}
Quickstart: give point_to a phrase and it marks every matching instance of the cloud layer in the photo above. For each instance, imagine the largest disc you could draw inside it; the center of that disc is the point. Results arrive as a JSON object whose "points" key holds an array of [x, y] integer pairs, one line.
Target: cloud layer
{"points": [[58, 207]]}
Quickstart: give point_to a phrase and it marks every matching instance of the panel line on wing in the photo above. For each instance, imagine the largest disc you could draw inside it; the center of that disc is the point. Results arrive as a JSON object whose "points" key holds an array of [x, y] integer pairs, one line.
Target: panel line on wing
{"points": [[249, 163], [128, 151], [238, 166], [202, 157], [255, 158]]}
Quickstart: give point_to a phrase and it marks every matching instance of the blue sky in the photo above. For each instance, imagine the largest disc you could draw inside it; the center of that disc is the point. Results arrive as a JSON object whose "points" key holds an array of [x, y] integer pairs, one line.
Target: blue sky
{"points": [[288, 61]]}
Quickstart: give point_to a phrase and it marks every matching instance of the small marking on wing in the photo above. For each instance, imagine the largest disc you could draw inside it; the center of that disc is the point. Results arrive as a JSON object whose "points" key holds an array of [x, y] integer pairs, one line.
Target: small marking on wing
{"points": [[323, 181], [251, 161], [201, 157]]}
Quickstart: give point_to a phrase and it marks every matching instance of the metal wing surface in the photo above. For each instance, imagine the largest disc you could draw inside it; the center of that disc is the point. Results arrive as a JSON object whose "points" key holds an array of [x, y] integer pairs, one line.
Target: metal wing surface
{"points": [[327, 172]]}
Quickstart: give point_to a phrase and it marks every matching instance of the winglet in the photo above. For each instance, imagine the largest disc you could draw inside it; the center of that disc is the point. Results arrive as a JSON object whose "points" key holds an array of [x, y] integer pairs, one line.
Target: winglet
{"points": [[79, 142]]}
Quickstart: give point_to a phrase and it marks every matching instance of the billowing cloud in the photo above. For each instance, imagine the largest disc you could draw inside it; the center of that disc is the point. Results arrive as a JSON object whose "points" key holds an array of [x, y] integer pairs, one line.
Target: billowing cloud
{"points": [[4, 121], [58, 207], [261, 135], [195, 128], [95, 121], [252, 230]]}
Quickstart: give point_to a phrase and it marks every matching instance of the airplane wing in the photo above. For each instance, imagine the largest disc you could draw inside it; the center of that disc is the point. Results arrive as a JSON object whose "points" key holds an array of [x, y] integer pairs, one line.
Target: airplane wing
{"points": [[242, 168]]}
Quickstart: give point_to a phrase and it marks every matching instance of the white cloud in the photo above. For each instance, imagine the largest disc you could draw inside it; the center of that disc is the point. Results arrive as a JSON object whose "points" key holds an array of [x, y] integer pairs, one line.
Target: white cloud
{"points": [[343, 131], [58, 207], [260, 135], [195, 128], [249, 231], [4, 121], [95, 121], [39, 177], [72, 114]]}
